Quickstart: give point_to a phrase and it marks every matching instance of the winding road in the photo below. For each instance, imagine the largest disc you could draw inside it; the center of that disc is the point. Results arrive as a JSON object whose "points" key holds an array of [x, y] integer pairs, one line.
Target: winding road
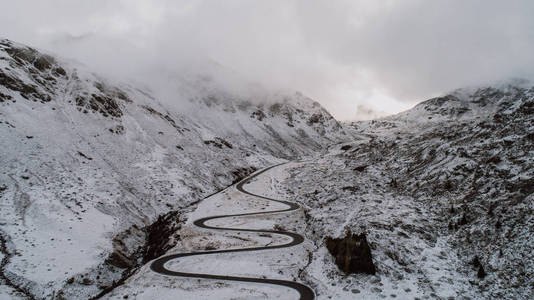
{"points": [[305, 292]]}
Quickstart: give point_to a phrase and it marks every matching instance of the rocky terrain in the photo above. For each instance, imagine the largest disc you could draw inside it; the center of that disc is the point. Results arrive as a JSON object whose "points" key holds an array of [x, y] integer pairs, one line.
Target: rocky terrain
{"points": [[98, 177], [89, 166], [444, 193]]}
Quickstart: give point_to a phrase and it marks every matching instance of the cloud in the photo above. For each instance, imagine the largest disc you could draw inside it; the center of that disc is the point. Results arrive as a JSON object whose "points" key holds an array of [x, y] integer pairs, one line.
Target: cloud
{"points": [[384, 55]]}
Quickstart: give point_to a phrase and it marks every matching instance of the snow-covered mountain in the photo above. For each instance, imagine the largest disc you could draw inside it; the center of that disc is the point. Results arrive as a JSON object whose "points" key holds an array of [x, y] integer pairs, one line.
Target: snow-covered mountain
{"points": [[444, 192], [89, 164], [97, 177]]}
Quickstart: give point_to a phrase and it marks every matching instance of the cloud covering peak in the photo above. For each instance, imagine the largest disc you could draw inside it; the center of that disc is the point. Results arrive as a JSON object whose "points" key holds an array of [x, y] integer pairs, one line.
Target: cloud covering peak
{"points": [[384, 55]]}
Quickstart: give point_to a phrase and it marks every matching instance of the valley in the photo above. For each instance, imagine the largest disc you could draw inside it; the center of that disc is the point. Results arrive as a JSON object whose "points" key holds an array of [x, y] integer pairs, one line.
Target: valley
{"points": [[111, 190]]}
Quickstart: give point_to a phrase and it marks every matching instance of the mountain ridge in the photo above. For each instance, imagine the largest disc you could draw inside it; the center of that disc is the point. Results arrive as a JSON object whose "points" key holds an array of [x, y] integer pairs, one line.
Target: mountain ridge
{"points": [[81, 151], [92, 169]]}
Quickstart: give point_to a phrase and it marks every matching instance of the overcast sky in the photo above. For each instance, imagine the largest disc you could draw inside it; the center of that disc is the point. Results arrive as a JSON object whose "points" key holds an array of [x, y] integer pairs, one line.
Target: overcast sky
{"points": [[351, 56]]}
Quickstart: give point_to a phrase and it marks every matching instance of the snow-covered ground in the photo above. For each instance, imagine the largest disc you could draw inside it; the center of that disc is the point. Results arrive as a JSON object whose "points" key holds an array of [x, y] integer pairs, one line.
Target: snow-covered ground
{"points": [[444, 191], [88, 163], [412, 261], [283, 263]]}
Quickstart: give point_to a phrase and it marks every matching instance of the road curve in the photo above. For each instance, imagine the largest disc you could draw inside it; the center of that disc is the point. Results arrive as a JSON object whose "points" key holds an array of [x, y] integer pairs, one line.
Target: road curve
{"points": [[306, 293]]}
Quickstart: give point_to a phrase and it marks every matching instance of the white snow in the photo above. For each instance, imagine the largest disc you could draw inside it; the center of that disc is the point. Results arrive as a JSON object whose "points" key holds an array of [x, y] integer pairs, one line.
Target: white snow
{"points": [[277, 264]]}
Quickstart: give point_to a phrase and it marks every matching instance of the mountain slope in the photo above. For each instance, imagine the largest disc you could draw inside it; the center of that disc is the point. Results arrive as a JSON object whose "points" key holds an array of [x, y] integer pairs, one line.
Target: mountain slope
{"points": [[88, 164], [444, 192], [97, 177]]}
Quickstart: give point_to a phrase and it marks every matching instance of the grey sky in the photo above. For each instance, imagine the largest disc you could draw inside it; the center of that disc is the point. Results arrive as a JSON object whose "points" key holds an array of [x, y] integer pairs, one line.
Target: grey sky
{"points": [[382, 55]]}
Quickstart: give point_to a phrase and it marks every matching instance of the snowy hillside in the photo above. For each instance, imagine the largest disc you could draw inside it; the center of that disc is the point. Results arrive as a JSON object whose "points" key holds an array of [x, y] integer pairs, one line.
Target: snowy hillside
{"points": [[87, 164], [444, 198], [445, 193], [99, 178]]}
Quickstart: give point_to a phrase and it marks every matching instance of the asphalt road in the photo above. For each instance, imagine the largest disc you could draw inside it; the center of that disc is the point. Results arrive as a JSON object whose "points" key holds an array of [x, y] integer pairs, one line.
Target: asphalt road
{"points": [[306, 293]]}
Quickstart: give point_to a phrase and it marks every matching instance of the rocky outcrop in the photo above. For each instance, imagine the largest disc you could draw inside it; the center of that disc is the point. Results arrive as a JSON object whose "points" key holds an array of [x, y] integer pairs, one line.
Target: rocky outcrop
{"points": [[111, 158], [352, 253], [446, 181], [161, 235]]}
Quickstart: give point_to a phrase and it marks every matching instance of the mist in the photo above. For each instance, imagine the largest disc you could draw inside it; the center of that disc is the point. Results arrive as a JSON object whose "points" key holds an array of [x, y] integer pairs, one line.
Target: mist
{"points": [[357, 58]]}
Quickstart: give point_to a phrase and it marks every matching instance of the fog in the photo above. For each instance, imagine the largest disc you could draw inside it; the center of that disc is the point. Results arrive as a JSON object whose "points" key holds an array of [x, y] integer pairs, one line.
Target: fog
{"points": [[357, 58]]}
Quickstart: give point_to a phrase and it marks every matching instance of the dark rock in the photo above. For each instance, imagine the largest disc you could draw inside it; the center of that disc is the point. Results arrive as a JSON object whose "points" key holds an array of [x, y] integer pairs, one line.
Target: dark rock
{"points": [[350, 188], [315, 118], [275, 108], [60, 71], [526, 108], [476, 262], [119, 260], [240, 173], [119, 129], [360, 168], [159, 235], [259, 115], [481, 273], [352, 253], [60, 296], [43, 63], [494, 159], [84, 156], [224, 142], [210, 142], [27, 91], [4, 97], [219, 143], [105, 104], [22, 55], [166, 117], [447, 185], [463, 220]]}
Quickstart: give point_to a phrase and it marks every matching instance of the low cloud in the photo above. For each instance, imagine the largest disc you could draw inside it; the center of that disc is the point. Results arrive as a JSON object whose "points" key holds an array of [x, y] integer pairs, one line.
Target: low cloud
{"points": [[384, 55]]}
